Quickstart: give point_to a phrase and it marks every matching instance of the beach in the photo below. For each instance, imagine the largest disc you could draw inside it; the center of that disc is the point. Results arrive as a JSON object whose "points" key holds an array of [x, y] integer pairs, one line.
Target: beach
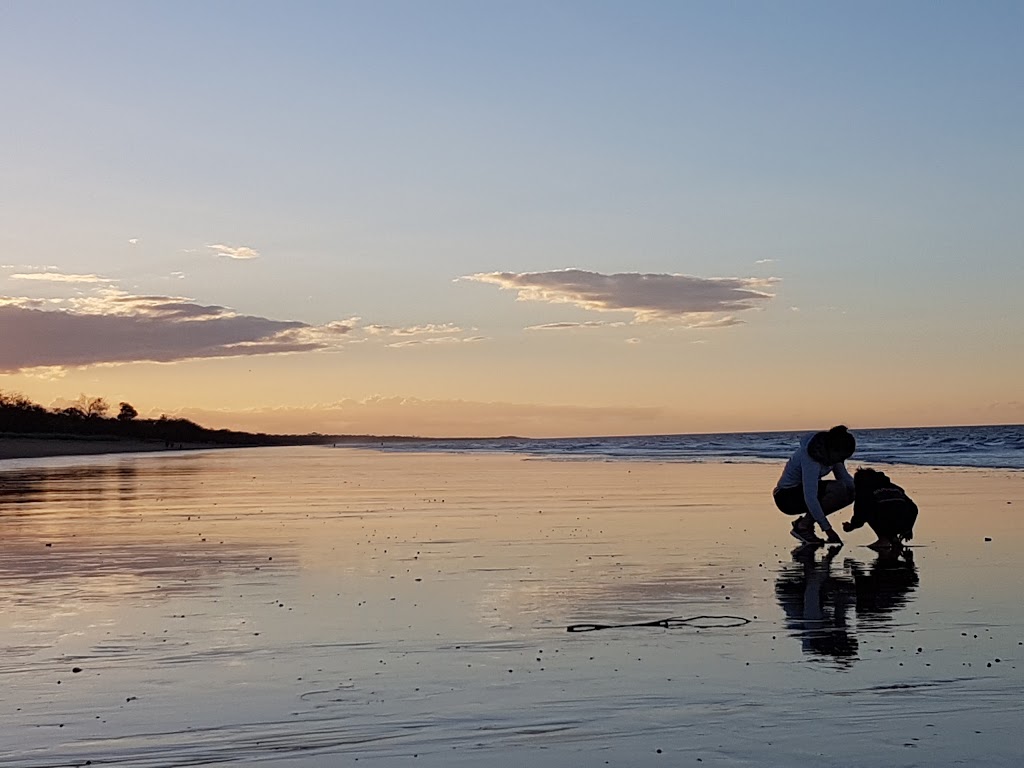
{"points": [[41, 447], [317, 606]]}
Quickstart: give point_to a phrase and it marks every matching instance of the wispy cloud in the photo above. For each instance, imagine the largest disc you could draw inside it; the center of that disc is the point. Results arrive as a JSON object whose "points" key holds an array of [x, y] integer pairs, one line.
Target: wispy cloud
{"points": [[59, 277], [569, 325], [681, 298], [437, 340], [240, 252], [23, 301], [715, 322], [413, 330], [420, 335], [134, 241], [765, 261]]}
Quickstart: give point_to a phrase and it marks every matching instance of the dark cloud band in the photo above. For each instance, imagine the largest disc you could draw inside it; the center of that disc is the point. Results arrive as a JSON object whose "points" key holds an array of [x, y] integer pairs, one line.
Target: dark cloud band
{"points": [[171, 331]]}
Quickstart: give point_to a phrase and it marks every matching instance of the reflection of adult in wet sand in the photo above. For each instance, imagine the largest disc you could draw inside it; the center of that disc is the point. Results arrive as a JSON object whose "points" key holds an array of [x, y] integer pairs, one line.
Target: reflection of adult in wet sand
{"points": [[817, 601]]}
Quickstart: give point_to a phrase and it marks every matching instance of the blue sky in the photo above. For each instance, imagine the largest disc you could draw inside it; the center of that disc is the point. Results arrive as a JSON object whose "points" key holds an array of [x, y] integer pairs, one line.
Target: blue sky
{"points": [[866, 156]]}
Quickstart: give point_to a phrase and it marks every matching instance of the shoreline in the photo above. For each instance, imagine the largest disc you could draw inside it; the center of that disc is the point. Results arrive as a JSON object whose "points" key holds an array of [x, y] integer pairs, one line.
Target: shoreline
{"points": [[44, 447]]}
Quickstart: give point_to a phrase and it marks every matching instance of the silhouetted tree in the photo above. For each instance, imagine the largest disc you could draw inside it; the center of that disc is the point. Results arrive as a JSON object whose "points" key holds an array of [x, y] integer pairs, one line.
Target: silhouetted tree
{"points": [[127, 412], [96, 408]]}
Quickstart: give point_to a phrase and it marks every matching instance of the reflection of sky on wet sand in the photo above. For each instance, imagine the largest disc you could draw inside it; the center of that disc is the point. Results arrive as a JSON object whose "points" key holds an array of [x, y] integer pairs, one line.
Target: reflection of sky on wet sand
{"points": [[308, 606]]}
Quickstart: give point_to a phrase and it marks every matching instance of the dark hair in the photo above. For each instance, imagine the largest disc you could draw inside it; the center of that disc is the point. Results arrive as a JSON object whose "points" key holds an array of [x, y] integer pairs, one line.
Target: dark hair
{"points": [[840, 442], [867, 480]]}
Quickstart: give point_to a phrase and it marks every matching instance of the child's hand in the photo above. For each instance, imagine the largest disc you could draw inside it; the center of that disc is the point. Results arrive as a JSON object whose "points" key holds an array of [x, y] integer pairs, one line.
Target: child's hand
{"points": [[847, 526], [831, 537]]}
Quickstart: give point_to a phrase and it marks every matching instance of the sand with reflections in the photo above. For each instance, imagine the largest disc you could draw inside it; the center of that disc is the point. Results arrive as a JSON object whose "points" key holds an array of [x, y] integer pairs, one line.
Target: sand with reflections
{"points": [[311, 606]]}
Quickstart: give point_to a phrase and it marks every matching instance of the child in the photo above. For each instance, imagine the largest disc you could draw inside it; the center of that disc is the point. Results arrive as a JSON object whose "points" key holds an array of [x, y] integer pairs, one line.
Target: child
{"points": [[885, 507]]}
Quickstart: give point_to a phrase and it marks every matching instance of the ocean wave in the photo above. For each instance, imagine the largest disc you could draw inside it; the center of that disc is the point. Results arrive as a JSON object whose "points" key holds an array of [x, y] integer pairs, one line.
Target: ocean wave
{"points": [[993, 447]]}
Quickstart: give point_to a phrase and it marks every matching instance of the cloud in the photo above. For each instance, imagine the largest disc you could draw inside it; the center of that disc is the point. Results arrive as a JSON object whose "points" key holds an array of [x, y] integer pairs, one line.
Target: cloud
{"points": [[59, 277], [766, 261], [437, 340], [421, 335], [1007, 405], [23, 301], [680, 298], [134, 241], [566, 325], [715, 322], [115, 327], [241, 252], [413, 330]]}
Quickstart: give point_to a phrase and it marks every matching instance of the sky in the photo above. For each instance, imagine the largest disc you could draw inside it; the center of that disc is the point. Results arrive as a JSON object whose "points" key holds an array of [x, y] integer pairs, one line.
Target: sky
{"points": [[533, 218]]}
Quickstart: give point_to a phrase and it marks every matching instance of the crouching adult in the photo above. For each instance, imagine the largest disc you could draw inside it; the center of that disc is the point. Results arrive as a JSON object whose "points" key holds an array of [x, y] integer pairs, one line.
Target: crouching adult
{"points": [[801, 491]]}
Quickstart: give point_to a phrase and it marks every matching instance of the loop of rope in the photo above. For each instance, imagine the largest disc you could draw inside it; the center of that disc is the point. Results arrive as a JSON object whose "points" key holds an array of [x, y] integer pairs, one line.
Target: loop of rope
{"points": [[673, 622]]}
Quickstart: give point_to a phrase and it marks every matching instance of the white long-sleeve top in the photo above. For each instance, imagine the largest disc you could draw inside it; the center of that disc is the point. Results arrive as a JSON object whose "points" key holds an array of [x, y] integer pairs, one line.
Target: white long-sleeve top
{"points": [[802, 470]]}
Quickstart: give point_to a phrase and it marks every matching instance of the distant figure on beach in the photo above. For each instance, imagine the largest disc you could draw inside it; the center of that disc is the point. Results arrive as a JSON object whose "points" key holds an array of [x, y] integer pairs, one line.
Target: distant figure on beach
{"points": [[801, 490], [885, 507]]}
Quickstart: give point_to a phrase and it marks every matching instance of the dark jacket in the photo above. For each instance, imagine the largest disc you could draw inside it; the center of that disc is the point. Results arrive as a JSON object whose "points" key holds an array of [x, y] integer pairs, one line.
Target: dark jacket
{"points": [[883, 505]]}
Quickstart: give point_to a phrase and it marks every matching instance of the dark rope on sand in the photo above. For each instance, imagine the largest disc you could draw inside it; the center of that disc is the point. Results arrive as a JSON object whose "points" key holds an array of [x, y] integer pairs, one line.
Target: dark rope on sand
{"points": [[674, 622]]}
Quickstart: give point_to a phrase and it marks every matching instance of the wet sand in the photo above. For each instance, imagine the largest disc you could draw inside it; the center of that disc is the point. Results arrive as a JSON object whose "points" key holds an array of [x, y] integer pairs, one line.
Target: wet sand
{"points": [[322, 607], [39, 447]]}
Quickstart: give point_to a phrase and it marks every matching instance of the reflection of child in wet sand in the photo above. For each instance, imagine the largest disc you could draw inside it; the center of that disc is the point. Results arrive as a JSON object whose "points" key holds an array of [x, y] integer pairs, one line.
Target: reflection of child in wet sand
{"points": [[886, 586], [885, 507]]}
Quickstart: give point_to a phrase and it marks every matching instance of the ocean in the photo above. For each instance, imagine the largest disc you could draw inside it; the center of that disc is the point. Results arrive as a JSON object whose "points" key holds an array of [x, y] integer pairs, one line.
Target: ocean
{"points": [[993, 447]]}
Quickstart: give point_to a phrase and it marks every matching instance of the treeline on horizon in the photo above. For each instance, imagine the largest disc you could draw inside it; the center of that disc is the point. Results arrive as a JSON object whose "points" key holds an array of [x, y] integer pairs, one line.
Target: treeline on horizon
{"points": [[88, 417]]}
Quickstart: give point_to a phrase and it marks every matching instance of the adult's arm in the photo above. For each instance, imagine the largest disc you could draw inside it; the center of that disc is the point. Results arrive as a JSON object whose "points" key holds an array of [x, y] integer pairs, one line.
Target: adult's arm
{"points": [[843, 475], [809, 477]]}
